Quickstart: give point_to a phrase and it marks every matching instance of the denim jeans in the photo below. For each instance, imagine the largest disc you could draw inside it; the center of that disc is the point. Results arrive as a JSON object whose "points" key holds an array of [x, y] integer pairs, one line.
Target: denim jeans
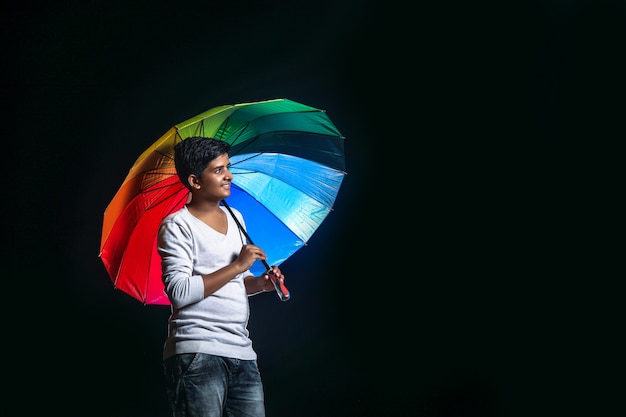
{"points": [[203, 385]]}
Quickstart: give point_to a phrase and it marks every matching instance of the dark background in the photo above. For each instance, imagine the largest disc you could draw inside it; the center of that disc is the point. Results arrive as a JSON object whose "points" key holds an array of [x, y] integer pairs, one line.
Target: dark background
{"points": [[465, 270]]}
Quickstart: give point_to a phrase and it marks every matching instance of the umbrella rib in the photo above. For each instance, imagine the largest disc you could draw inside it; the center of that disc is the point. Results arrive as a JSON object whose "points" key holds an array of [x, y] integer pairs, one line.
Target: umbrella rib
{"points": [[163, 200], [252, 156], [167, 155]]}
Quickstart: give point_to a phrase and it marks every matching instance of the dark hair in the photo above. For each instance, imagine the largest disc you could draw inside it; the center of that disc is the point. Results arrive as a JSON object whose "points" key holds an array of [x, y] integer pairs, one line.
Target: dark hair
{"points": [[193, 155]]}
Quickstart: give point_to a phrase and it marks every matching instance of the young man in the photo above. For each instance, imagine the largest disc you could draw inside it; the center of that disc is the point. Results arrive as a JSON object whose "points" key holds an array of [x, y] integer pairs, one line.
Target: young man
{"points": [[209, 363]]}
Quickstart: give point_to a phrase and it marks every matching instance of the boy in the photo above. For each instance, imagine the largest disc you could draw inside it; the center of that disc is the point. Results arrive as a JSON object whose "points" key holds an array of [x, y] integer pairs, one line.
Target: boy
{"points": [[209, 363]]}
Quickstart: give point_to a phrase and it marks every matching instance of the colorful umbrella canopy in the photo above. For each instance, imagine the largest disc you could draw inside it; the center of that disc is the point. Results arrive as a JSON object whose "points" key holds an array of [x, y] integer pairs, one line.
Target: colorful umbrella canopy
{"points": [[288, 164]]}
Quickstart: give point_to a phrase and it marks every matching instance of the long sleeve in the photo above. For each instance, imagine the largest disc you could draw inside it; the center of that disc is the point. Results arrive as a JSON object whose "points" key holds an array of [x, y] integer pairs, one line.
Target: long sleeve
{"points": [[217, 324]]}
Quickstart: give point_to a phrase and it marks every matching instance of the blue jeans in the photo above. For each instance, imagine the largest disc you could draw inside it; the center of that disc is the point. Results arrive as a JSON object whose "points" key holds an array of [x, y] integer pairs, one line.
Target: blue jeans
{"points": [[203, 385]]}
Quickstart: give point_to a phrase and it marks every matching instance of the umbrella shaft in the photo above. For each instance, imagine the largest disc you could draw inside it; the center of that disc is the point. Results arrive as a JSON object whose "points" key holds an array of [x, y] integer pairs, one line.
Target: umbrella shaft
{"points": [[243, 231], [281, 289]]}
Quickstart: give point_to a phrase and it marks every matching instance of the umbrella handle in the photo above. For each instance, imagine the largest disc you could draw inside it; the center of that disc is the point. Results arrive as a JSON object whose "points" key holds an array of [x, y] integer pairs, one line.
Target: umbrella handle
{"points": [[283, 292]]}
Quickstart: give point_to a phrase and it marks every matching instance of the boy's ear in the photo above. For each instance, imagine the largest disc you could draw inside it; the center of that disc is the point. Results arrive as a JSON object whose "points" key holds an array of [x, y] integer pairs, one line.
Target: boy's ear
{"points": [[193, 180]]}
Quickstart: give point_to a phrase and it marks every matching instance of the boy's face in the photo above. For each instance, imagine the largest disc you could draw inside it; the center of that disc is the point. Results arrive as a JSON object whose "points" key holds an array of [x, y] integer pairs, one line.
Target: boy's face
{"points": [[215, 181]]}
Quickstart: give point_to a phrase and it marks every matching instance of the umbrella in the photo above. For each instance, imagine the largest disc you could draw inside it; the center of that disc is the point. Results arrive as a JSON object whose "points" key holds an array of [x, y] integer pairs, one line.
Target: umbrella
{"points": [[287, 159]]}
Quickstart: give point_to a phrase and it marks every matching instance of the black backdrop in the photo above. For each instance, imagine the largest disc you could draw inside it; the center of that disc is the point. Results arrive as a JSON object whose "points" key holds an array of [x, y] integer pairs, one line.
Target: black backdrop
{"points": [[462, 270]]}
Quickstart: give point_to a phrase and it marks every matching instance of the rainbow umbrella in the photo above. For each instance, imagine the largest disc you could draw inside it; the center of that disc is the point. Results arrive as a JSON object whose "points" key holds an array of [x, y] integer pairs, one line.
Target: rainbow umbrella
{"points": [[288, 164]]}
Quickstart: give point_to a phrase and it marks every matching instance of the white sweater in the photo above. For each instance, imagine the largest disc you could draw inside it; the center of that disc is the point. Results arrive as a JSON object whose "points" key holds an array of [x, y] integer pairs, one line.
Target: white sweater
{"points": [[217, 324]]}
